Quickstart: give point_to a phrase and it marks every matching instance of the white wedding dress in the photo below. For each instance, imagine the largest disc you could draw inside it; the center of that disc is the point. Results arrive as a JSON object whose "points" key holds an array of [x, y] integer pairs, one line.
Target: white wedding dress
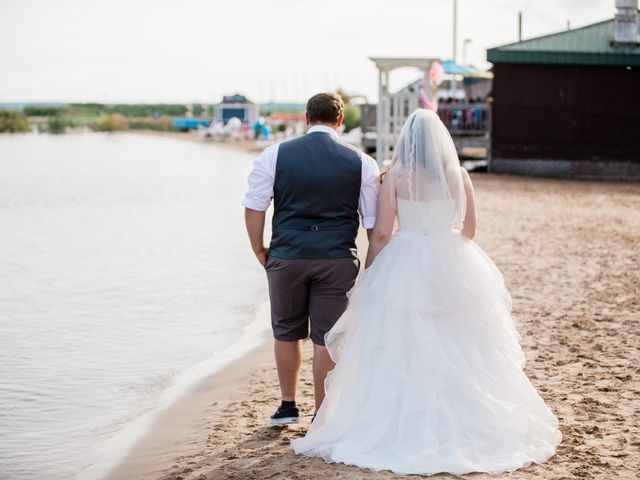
{"points": [[428, 374]]}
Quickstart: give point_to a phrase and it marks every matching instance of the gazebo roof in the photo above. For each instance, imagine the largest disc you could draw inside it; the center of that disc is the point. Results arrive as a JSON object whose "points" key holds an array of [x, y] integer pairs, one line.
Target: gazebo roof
{"points": [[391, 63], [588, 45]]}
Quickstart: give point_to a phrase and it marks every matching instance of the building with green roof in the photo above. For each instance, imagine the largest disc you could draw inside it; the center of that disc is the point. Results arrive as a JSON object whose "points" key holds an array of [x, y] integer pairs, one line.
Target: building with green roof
{"points": [[568, 104]]}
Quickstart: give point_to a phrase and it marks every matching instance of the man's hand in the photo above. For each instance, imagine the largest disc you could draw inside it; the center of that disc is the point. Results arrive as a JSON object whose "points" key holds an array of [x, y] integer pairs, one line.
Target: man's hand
{"points": [[261, 255], [254, 221]]}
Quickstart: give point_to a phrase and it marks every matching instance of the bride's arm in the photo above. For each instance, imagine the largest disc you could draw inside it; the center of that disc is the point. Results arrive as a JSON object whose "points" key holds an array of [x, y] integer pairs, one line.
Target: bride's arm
{"points": [[469, 223], [385, 219]]}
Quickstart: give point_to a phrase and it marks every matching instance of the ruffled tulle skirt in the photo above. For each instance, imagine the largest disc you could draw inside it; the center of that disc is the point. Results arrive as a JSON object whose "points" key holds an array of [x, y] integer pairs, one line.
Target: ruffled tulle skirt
{"points": [[429, 372]]}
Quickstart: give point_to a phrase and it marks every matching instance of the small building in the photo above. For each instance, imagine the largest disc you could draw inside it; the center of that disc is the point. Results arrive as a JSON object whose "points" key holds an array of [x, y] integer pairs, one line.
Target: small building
{"points": [[237, 106], [568, 104]]}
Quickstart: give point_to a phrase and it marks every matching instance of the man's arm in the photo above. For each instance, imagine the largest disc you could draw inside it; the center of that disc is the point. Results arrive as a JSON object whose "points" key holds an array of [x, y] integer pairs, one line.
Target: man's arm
{"points": [[258, 198], [370, 184], [254, 220]]}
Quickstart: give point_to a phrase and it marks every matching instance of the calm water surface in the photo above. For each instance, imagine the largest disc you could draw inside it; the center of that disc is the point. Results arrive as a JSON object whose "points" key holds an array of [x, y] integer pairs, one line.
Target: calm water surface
{"points": [[123, 262]]}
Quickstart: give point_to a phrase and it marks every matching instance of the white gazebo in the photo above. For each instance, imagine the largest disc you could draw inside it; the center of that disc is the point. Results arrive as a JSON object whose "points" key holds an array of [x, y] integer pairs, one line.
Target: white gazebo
{"points": [[393, 109]]}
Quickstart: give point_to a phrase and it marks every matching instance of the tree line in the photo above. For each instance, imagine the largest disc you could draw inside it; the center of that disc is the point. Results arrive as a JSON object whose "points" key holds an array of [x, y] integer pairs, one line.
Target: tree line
{"points": [[125, 109]]}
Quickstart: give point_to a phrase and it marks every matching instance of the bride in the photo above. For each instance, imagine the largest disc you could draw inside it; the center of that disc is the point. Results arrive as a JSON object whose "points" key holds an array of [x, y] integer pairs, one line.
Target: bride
{"points": [[428, 374]]}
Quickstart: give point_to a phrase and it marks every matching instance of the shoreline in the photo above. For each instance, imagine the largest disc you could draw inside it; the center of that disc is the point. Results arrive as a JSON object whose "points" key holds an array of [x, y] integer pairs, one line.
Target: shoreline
{"points": [[250, 146], [178, 426], [178, 422], [176, 431]]}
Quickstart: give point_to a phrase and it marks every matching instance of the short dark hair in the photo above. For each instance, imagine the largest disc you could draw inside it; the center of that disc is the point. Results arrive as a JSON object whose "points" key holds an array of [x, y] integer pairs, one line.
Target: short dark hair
{"points": [[325, 108]]}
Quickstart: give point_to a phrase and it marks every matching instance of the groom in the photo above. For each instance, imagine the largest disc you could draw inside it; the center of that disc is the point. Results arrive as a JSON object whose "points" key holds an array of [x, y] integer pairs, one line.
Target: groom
{"points": [[319, 184]]}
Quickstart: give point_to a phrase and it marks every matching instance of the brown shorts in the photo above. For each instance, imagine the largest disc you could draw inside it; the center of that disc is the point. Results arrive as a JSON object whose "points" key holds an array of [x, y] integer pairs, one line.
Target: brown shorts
{"points": [[308, 291]]}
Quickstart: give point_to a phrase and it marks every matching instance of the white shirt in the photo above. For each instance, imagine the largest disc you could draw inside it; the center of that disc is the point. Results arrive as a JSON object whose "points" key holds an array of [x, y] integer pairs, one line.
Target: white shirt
{"points": [[263, 173]]}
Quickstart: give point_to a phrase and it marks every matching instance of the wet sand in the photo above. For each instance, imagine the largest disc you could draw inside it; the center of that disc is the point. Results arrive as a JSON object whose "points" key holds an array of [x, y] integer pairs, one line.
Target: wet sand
{"points": [[570, 253]]}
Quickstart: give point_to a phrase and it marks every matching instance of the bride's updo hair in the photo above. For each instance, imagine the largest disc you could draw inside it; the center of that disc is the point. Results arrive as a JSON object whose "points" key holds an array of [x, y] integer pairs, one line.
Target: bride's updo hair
{"points": [[325, 108]]}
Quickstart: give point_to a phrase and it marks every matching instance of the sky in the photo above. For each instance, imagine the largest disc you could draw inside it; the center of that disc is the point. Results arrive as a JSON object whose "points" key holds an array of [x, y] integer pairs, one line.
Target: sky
{"points": [[272, 50]]}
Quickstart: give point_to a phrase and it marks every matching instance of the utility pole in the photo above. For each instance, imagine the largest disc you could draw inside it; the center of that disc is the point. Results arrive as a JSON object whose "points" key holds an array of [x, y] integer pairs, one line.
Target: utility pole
{"points": [[455, 29], [519, 26], [454, 85], [465, 44]]}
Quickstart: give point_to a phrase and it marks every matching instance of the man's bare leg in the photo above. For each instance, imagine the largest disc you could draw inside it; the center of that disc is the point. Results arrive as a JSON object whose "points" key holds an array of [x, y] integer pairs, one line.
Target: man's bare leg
{"points": [[322, 364], [288, 361]]}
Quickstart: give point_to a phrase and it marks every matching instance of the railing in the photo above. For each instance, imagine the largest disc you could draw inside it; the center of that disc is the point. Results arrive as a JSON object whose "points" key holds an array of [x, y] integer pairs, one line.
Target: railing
{"points": [[468, 123], [466, 119], [460, 118]]}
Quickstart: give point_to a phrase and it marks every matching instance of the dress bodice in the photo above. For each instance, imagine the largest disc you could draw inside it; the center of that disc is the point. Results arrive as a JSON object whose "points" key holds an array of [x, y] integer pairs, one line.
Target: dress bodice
{"points": [[425, 216]]}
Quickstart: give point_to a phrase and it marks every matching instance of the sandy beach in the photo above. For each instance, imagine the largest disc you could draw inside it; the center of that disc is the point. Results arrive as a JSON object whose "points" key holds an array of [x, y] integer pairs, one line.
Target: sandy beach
{"points": [[570, 253], [251, 146]]}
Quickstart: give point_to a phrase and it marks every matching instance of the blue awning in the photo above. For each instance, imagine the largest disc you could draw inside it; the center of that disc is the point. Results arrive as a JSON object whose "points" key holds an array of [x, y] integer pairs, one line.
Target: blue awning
{"points": [[452, 68]]}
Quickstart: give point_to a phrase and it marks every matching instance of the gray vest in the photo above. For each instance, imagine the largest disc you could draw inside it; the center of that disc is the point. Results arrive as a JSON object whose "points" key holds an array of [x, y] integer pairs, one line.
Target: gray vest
{"points": [[316, 192]]}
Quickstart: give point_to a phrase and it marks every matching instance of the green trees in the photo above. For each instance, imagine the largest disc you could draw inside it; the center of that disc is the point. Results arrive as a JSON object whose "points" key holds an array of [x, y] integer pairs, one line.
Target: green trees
{"points": [[97, 109], [57, 123], [352, 116], [12, 122], [60, 117], [127, 110], [352, 112], [111, 122], [41, 110]]}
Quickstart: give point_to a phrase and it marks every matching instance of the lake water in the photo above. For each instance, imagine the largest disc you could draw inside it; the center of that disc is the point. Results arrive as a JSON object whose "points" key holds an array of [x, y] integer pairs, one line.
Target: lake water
{"points": [[125, 275]]}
